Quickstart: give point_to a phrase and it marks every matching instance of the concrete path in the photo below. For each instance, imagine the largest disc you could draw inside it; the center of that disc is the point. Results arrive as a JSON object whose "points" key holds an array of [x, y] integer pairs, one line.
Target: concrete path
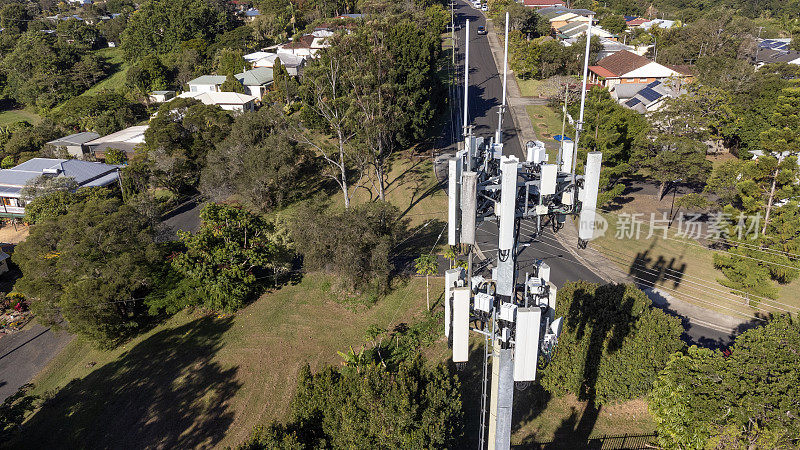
{"points": [[24, 354]]}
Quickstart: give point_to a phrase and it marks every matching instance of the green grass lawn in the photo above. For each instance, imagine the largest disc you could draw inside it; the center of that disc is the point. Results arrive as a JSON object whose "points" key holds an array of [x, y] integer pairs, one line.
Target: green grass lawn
{"points": [[115, 79], [206, 381], [11, 116], [530, 88], [547, 123], [684, 269]]}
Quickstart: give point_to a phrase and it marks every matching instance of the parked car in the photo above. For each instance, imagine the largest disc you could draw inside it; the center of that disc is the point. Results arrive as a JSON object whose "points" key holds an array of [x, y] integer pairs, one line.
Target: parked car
{"points": [[481, 30], [476, 3], [484, 7]]}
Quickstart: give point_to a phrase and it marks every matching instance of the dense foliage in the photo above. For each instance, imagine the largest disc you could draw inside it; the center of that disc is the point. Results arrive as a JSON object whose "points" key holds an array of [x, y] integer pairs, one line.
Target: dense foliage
{"points": [[412, 407], [225, 258], [42, 71], [746, 399], [354, 244], [89, 267], [612, 343], [104, 113], [259, 162], [161, 26]]}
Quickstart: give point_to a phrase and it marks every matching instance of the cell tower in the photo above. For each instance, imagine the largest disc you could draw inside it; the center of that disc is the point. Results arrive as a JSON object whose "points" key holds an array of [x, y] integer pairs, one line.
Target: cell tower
{"points": [[515, 315]]}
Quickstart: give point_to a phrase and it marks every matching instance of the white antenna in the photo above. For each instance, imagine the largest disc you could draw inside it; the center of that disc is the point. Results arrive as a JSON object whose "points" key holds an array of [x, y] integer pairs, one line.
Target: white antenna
{"points": [[466, 81], [579, 125], [499, 135]]}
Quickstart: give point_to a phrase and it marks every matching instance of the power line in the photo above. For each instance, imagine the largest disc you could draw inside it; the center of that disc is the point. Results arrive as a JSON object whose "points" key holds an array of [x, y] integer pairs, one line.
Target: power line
{"points": [[732, 254], [707, 281], [644, 268], [758, 248]]}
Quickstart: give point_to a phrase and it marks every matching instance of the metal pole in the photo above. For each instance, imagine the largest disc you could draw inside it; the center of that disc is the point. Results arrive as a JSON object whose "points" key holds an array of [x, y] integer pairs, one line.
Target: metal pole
{"points": [[466, 80], [499, 135], [579, 124]]}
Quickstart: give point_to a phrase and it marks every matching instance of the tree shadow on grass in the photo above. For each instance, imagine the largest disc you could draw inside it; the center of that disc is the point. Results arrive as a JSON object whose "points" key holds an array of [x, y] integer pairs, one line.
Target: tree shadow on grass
{"points": [[165, 392]]}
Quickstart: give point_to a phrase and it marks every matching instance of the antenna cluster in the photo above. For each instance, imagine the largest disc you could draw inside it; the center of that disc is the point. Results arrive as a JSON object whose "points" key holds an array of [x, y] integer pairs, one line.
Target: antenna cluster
{"points": [[515, 315]]}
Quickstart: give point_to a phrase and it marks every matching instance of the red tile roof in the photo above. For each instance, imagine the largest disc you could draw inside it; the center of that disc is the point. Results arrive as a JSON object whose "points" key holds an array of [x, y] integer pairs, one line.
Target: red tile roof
{"points": [[636, 22], [623, 62], [680, 68], [605, 73]]}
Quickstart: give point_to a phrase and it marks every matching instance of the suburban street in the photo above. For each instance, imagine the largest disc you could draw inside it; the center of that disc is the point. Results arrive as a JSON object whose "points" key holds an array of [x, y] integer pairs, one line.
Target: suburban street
{"points": [[25, 353], [485, 84]]}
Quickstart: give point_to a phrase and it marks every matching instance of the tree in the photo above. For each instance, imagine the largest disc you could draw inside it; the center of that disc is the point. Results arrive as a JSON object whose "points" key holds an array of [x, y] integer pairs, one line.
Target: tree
{"points": [[259, 162], [673, 150], [613, 23], [327, 110], [354, 245], [146, 75], [178, 139], [161, 26], [224, 258], [412, 407], [41, 72], [231, 84], [44, 185], [612, 344], [14, 17], [230, 62], [58, 203], [426, 264], [89, 268], [104, 112], [116, 156], [747, 399]]}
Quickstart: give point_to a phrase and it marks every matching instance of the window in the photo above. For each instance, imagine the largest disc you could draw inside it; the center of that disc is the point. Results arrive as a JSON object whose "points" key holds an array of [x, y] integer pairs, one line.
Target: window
{"points": [[643, 80]]}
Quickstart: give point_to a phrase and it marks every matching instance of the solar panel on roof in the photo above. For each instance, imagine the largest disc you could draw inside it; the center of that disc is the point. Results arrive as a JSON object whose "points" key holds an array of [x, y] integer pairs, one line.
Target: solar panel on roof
{"points": [[632, 102], [649, 94], [653, 84]]}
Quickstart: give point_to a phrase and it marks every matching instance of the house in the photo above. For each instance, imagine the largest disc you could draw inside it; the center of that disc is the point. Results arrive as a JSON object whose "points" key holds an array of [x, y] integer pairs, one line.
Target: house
{"points": [[611, 46], [573, 30], [251, 14], [292, 63], [350, 16], [660, 23], [627, 67], [307, 45], [229, 101], [634, 22], [256, 81], [161, 96], [125, 140], [539, 4], [775, 44], [769, 56], [207, 83], [255, 56], [75, 143], [84, 173], [560, 16], [644, 98]]}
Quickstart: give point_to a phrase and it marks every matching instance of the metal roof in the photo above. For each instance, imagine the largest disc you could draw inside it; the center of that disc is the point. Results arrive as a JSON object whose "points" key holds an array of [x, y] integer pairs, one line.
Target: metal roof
{"points": [[84, 173], [208, 80], [259, 76], [75, 139]]}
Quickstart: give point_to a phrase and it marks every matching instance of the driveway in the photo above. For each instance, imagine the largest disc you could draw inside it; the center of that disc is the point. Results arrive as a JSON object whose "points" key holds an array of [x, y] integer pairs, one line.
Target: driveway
{"points": [[26, 353]]}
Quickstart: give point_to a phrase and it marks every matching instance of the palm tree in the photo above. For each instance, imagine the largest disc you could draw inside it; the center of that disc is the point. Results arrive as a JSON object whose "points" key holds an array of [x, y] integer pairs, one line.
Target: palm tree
{"points": [[427, 265]]}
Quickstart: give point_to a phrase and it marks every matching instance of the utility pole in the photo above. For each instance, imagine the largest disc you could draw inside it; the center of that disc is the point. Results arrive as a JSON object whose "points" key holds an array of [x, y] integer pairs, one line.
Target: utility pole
{"points": [[466, 80], [498, 137], [579, 123], [758, 42]]}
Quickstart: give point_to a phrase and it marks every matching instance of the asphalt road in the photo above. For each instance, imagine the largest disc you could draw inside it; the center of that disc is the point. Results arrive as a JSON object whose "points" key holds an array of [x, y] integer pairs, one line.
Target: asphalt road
{"points": [[24, 354], [485, 84]]}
